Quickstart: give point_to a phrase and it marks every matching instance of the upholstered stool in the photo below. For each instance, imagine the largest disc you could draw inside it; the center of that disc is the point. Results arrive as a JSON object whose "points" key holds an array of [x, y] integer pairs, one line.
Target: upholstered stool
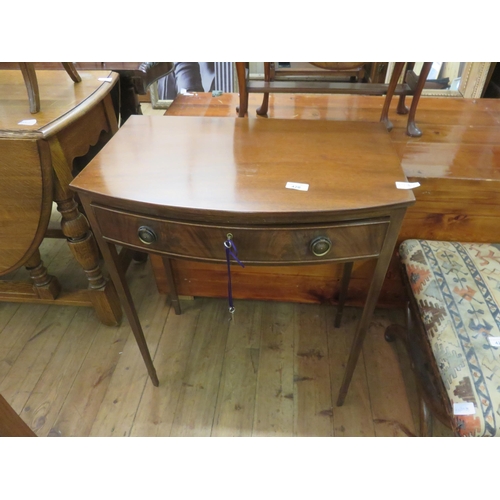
{"points": [[454, 332]]}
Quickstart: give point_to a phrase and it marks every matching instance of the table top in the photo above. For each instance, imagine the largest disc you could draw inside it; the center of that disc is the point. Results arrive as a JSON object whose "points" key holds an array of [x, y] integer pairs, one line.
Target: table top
{"points": [[61, 101], [225, 169]]}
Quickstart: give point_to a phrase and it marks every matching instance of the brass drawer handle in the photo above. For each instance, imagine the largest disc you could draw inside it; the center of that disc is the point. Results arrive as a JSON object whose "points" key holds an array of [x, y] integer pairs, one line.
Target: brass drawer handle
{"points": [[146, 235], [321, 246]]}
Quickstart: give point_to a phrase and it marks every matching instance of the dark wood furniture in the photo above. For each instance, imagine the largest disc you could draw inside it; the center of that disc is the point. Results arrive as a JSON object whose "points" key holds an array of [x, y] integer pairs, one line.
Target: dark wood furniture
{"points": [[200, 179], [11, 424], [412, 86], [36, 162]]}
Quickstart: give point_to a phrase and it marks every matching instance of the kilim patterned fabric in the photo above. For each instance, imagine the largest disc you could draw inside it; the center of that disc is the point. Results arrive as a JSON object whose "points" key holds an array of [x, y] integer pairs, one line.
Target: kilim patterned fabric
{"points": [[457, 288]]}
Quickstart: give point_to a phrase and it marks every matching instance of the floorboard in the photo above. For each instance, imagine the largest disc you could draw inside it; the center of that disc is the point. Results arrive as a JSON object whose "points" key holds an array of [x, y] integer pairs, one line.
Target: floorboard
{"points": [[275, 371]]}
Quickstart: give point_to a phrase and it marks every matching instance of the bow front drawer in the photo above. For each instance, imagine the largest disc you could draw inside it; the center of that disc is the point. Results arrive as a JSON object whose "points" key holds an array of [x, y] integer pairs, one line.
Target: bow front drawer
{"points": [[285, 244]]}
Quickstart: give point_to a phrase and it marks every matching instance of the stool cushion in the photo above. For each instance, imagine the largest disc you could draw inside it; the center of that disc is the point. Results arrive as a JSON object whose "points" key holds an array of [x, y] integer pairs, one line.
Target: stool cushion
{"points": [[457, 289]]}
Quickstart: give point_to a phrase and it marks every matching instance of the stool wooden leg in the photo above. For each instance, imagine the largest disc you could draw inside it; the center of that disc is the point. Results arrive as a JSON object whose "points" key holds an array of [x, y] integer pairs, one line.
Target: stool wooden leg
{"points": [[242, 89], [402, 108], [412, 129], [174, 299], [262, 110], [384, 117], [344, 284]]}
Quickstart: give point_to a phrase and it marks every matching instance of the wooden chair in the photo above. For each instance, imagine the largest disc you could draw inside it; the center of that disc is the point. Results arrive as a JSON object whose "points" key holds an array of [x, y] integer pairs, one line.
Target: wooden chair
{"points": [[453, 333], [29, 75], [412, 86]]}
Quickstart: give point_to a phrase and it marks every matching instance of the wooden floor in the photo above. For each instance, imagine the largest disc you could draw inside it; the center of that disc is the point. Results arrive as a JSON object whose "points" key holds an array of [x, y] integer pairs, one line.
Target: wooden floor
{"points": [[275, 371]]}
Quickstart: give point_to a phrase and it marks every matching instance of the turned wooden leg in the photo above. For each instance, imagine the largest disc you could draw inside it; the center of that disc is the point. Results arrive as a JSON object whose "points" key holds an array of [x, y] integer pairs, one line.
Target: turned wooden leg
{"points": [[412, 130], [172, 290], [81, 241], [384, 117], [44, 285], [72, 72], [31, 82], [344, 285], [242, 88], [82, 244], [262, 110]]}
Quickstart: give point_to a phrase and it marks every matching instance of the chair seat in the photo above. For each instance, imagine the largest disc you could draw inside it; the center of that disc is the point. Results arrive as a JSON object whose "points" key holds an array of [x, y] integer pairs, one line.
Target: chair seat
{"points": [[457, 289]]}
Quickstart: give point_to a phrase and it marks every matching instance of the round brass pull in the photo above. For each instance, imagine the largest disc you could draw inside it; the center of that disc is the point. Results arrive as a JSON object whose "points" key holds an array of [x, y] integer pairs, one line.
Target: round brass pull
{"points": [[321, 246], [146, 235]]}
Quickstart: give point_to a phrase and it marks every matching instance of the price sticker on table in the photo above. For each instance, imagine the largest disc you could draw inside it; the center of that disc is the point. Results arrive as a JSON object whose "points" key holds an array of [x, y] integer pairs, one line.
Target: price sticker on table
{"points": [[494, 341], [297, 185], [27, 122], [407, 185], [464, 409]]}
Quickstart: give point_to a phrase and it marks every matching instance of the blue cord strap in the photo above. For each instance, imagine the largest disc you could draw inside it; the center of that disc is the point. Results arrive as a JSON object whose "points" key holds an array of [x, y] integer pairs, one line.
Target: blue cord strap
{"points": [[231, 251]]}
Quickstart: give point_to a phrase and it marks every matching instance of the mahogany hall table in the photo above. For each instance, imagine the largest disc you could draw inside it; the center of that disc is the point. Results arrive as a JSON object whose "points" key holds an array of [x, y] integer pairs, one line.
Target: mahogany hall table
{"points": [[177, 186]]}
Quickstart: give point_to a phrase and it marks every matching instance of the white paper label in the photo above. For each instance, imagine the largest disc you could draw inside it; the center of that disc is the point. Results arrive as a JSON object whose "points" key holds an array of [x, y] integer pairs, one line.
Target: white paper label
{"points": [[407, 185], [464, 409], [297, 185], [27, 122], [105, 79], [494, 341]]}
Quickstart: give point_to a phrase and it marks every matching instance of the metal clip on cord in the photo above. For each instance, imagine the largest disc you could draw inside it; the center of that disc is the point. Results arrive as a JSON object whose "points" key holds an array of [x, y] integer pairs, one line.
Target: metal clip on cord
{"points": [[231, 251]]}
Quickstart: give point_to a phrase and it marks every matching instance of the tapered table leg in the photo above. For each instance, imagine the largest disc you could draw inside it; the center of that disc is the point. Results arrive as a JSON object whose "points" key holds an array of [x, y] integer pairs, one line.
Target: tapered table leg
{"points": [[371, 301], [112, 259]]}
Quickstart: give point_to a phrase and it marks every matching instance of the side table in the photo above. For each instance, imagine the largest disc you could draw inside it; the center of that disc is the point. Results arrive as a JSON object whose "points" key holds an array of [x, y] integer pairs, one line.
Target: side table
{"points": [[283, 191]]}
